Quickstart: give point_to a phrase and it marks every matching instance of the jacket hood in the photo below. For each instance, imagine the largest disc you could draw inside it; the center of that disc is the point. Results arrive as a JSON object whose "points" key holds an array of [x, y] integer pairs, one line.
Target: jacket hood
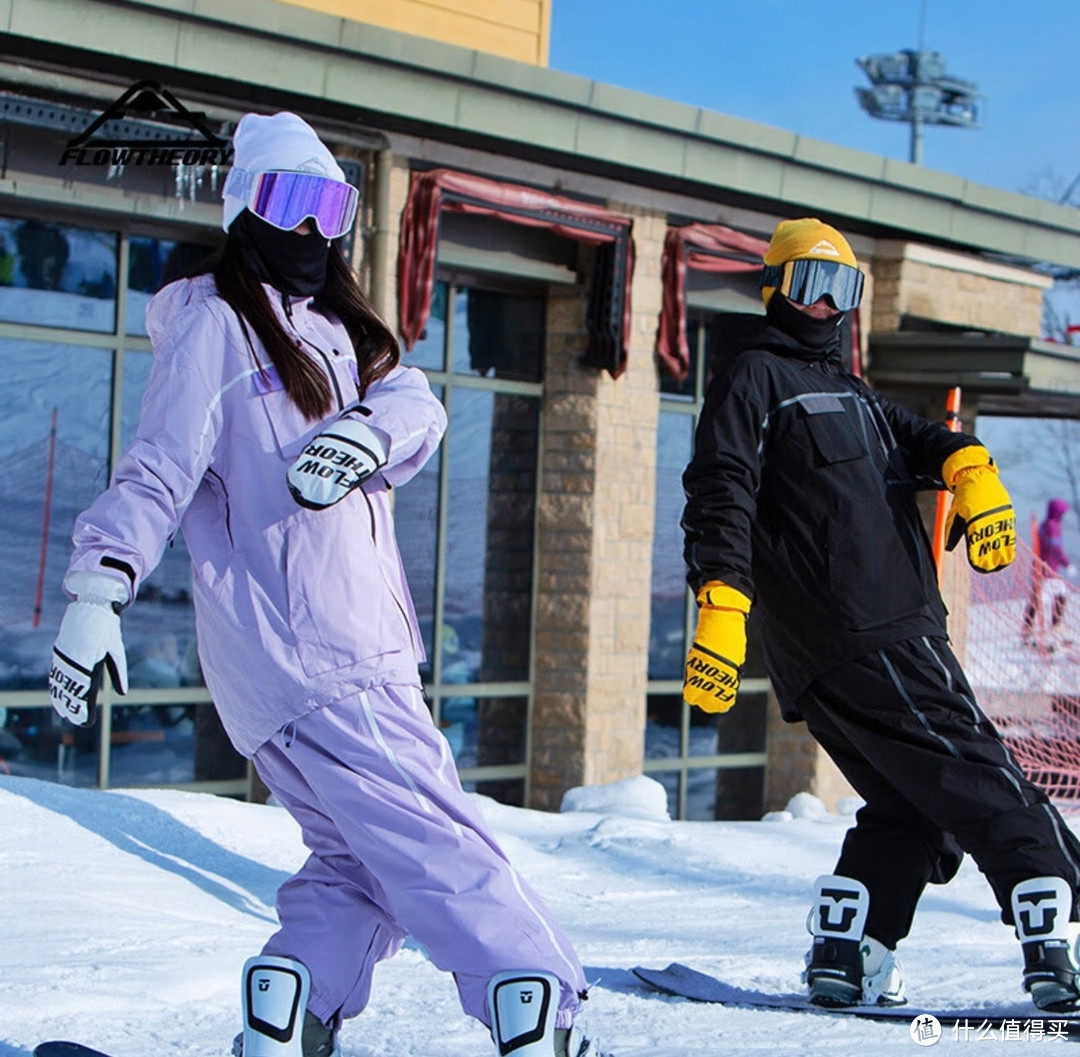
{"points": [[171, 300], [1056, 509]]}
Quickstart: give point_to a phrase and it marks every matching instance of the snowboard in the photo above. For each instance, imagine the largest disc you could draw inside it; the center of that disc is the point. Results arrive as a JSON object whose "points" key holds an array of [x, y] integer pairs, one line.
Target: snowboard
{"points": [[684, 982], [57, 1048]]}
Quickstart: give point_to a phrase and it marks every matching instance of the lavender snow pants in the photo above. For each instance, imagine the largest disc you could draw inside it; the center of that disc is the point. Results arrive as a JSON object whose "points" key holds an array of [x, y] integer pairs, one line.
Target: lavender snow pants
{"points": [[397, 849]]}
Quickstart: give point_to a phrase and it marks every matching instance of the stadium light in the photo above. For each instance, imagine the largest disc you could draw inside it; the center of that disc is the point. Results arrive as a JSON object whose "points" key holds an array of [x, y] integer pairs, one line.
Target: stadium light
{"points": [[911, 86]]}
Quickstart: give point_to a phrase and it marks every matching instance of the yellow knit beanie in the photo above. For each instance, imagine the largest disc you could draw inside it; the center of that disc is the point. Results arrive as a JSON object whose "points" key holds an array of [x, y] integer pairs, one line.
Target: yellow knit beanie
{"points": [[806, 239]]}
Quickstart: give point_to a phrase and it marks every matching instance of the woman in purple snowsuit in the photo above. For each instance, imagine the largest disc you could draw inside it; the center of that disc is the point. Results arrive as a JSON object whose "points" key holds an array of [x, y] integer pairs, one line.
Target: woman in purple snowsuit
{"points": [[1054, 558], [275, 421]]}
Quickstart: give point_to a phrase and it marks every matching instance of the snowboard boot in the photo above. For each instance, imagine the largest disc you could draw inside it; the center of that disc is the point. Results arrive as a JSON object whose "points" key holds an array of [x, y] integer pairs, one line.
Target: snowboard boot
{"points": [[277, 1022], [523, 1007], [1041, 908], [844, 966]]}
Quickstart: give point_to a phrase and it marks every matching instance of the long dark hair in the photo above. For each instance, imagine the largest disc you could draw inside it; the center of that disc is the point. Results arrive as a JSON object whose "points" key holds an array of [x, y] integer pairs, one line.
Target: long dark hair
{"points": [[377, 351]]}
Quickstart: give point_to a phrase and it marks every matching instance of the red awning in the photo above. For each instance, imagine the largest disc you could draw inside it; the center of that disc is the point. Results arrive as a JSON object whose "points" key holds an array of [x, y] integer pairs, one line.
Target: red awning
{"points": [[706, 248], [609, 301]]}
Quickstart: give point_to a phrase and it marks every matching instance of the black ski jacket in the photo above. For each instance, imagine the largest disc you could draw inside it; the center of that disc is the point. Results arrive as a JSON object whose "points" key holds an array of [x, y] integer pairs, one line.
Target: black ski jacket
{"points": [[801, 494]]}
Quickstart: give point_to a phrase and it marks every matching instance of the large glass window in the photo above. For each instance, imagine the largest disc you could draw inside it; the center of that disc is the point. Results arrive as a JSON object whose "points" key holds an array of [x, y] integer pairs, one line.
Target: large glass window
{"points": [[57, 275], [466, 527], [69, 406], [712, 766]]}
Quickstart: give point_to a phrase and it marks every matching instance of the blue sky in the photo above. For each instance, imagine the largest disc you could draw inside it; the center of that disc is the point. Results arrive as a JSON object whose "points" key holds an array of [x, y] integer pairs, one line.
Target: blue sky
{"points": [[792, 65]]}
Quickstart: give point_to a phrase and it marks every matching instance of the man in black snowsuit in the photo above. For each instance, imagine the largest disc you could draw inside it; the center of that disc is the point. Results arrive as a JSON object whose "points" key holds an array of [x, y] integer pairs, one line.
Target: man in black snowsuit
{"points": [[800, 499]]}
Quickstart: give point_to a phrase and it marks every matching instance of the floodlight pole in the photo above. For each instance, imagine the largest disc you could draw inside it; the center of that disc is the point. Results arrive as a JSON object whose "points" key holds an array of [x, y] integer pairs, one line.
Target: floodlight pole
{"points": [[911, 86]]}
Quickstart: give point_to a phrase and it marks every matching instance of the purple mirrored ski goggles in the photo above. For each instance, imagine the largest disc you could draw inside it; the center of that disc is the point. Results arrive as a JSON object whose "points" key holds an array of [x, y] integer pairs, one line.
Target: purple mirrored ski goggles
{"points": [[287, 199]]}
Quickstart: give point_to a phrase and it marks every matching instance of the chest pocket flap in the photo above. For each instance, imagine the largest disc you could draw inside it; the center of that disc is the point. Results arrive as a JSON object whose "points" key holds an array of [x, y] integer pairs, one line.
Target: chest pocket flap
{"points": [[834, 427]]}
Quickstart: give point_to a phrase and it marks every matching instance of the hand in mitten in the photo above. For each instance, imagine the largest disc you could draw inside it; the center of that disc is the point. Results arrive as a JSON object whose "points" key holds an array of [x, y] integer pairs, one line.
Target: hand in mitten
{"points": [[88, 642], [338, 460], [981, 510], [715, 659]]}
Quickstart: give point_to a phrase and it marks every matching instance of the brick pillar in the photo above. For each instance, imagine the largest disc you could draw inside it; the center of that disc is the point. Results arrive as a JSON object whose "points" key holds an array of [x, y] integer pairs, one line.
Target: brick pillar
{"points": [[595, 543], [797, 764]]}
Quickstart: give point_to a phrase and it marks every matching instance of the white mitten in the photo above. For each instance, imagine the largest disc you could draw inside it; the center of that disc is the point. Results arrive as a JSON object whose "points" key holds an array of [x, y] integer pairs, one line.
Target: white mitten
{"points": [[338, 460], [89, 639]]}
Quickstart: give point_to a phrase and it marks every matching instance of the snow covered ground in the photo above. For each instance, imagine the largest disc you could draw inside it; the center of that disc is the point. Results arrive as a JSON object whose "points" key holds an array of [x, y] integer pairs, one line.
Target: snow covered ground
{"points": [[125, 918]]}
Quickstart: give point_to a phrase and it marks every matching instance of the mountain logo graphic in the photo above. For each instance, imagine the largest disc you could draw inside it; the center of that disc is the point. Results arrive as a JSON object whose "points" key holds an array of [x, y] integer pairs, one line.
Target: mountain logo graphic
{"points": [[194, 142], [825, 249]]}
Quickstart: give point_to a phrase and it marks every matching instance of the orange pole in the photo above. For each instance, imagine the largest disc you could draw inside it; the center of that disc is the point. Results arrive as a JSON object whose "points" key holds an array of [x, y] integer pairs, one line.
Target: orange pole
{"points": [[1036, 579], [953, 421]]}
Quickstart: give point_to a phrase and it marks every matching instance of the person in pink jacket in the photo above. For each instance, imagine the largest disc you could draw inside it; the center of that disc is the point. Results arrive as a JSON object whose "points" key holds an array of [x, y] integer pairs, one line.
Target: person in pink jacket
{"points": [[275, 422], [1051, 576]]}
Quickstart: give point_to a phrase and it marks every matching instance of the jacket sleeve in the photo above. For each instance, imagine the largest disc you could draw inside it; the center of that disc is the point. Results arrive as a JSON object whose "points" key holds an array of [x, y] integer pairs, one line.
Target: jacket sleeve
{"points": [[403, 406], [124, 532], [721, 483], [925, 444]]}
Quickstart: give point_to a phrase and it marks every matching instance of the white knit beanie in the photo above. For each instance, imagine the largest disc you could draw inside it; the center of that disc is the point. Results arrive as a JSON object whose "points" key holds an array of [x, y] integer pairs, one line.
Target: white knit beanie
{"points": [[265, 144]]}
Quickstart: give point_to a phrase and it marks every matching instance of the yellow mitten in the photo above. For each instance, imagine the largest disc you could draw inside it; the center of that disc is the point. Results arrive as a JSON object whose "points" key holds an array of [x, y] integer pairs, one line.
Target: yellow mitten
{"points": [[981, 510], [714, 662]]}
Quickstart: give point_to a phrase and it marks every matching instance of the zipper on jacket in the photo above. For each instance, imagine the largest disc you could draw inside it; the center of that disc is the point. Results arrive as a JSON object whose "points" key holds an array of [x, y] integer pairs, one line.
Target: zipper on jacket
{"points": [[287, 308], [329, 369]]}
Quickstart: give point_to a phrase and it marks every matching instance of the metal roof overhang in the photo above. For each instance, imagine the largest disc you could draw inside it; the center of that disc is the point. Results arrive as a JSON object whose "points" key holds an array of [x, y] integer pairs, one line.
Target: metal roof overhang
{"points": [[262, 53], [1004, 374]]}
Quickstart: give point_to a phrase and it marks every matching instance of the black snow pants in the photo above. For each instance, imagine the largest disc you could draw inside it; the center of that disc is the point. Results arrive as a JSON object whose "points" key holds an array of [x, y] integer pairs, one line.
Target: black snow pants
{"points": [[903, 726]]}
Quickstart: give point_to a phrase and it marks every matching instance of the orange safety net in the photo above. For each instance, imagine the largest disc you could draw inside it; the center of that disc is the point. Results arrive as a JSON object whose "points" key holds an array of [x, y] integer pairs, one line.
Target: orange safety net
{"points": [[1023, 660]]}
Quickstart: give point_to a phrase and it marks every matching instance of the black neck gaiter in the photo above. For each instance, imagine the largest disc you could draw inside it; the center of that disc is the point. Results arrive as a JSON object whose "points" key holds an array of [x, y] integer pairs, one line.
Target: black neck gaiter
{"points": [[817, 335], [294, 264]]}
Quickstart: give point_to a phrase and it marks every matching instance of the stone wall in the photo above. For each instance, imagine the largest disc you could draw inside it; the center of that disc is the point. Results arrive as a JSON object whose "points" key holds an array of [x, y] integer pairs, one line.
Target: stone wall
{"points": [[797, 764], [595, 542], [952, 289]]}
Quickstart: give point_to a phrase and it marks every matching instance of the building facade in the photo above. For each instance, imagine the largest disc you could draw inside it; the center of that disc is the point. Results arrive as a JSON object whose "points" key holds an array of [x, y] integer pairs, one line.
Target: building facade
{"points": [[562, 258]]}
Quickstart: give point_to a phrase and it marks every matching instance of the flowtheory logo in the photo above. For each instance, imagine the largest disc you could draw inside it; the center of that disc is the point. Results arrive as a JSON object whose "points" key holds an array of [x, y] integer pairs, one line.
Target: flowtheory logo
{"points": [[147, 102]]}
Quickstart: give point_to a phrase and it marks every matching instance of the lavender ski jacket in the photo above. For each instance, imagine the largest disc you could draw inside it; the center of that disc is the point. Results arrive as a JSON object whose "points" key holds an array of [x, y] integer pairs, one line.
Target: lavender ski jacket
{"points": [[294, 608]]}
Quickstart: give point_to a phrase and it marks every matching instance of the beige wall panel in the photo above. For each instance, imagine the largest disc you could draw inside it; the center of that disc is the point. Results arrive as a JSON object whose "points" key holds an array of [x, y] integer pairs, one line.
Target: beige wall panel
{"points": [[515, 29], [958, 298]]}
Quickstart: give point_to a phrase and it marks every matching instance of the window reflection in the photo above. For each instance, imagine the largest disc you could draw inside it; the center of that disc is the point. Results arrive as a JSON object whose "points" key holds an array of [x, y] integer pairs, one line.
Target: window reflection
{"points": [[157, 744], [667, 636], [728, 793], [57, 275], [37, 743], [416, 520], [477, 612], [152, 264], [486, 731], [493, 441], [498, 334], [148, 745], [54, 425], [430, 351]]}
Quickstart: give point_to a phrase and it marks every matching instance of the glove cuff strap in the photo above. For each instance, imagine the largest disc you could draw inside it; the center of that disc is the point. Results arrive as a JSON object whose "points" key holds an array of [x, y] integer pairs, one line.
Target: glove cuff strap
{"points": [[973, 457], [717, 595], [99, 588]]}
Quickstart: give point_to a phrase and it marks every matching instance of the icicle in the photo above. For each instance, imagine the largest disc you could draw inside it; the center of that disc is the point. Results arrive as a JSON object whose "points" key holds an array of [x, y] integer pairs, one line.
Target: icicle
{"points": [[180, 184]]}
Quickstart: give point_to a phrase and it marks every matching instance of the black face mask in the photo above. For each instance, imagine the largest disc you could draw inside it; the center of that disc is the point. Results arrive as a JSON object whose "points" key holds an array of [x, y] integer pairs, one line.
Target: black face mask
{"points": [[294, 264], [815, 334]]}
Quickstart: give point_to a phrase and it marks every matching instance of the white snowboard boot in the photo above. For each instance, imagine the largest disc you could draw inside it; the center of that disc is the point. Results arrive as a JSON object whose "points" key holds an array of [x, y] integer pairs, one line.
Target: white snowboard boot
{"points": [[523, 1007], [1041, 909], [844, 966], [274, 996]]}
